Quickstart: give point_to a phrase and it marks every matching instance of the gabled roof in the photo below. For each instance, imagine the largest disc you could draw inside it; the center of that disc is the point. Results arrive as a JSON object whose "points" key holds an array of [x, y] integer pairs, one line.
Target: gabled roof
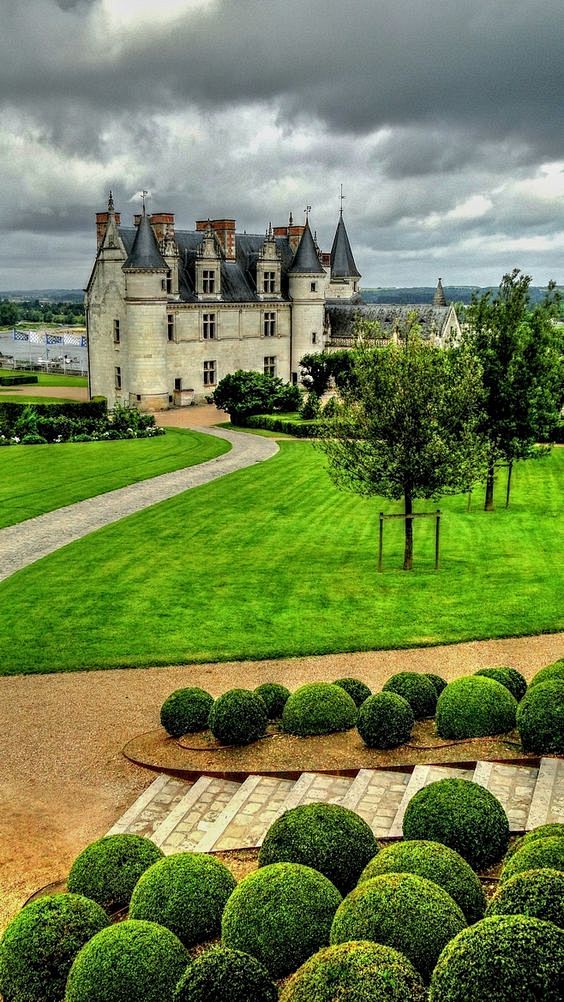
{"points": [[432, 319], [342, 260], [306, 261], [145, 254]]}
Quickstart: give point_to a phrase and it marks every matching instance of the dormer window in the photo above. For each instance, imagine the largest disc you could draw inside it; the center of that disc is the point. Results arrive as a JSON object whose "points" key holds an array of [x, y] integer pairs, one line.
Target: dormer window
{"points": [[208, 281], [269, 281]]}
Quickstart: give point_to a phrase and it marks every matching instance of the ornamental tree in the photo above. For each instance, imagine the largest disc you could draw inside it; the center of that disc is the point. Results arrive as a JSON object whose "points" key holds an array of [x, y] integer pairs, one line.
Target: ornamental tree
{"points": [[245, 392]]}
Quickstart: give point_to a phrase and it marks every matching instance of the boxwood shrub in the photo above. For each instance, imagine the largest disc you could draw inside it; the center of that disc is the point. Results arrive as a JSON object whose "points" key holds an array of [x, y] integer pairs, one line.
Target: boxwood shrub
{"points": [[538, 893], [509, 677], [359, 971], [417, 689], [541, 831], [356, 688], [186, 893], [540, 718], [438, 681], [385, 720], [108, 869], [549, 673], [402, 910], [506, 958], [537, 854], [238, 717], [41, 942], [461, 814], [475, 707], [327, 837], [274, 697], [319, 708], [185, 711], [280, 914], [436, 862], [225, 975]]}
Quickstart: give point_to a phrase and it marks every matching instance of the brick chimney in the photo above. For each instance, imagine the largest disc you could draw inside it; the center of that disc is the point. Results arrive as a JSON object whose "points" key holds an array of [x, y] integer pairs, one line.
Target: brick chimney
{"points": [[292, 233], [102, 224], [224, 229]]}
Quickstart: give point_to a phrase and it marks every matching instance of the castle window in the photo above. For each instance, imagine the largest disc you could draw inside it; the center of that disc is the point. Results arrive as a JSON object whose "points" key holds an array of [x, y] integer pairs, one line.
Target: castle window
{"points": [[169, 282], [116, 332], [208, 326], [170, 326], [269, 324], [269, 281], [313, 286], [314, 338], [208, 281], [178, 383], [210, 378], [270, 365], [117, 377]]}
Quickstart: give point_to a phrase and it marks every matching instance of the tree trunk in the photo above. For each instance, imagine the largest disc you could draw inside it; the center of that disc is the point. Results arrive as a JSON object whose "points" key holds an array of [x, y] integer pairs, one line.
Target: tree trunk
{"points": [[489, 503], [408, 551]]}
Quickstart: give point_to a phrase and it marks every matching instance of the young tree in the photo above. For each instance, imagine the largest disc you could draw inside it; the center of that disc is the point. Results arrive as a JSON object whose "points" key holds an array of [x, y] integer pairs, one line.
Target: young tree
{"points": [[408, 429], [246, 392]]}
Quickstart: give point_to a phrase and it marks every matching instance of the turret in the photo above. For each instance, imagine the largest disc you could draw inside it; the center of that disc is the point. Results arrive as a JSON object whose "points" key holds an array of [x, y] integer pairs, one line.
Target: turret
{"points": [[343, 270], [307, 282], [439, 299]]}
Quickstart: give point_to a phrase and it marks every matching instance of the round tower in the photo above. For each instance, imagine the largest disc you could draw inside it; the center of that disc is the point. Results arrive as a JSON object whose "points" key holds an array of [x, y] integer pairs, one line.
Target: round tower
{"points": [[307, 281]]}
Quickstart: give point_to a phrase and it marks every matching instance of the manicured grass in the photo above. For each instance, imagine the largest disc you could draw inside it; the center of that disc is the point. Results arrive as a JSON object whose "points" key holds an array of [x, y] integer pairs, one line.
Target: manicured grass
{"points": [[39, 478], [26, 398], [261, 432], [274, 561], [47, 378]]}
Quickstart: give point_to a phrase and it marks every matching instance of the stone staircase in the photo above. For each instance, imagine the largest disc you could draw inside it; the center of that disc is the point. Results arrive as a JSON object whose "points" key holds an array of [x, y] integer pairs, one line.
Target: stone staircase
{"points": [[211, 813]]}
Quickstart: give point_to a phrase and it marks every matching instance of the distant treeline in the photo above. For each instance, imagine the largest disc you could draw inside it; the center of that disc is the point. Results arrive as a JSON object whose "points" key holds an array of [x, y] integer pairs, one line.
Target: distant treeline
{"points": [[36, 311], [453, 293]]}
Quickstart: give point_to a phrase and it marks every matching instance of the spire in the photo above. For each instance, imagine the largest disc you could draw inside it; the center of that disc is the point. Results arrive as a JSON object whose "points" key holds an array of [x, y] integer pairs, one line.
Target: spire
{"points": [[111, 202], [145, 254], [439, 299], [342, 260], [306, 260]]}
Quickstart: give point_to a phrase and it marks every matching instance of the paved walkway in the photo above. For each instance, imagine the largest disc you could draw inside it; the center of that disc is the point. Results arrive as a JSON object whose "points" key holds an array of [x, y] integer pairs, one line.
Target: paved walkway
{"points": [[27, 542]]}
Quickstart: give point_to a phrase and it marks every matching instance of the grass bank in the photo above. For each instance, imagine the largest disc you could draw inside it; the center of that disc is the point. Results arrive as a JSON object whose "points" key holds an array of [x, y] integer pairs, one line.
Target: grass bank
{"points": [[47, 378]]}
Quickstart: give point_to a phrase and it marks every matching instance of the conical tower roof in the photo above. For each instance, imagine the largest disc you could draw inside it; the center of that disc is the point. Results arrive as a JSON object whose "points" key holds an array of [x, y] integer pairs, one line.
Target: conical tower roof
{"points": [[439, 299], [342, 260], [306, 260], [145, 254]]}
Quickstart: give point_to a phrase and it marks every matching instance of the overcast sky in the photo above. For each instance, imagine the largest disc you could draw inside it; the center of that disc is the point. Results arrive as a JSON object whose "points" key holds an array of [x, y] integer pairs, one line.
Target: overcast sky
{"points": [[443, 120]]}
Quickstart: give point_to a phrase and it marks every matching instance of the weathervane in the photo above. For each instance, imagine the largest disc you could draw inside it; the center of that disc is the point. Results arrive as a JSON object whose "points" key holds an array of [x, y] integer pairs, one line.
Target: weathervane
{"points": [[307, 211], [144, 195], [342, 198]]}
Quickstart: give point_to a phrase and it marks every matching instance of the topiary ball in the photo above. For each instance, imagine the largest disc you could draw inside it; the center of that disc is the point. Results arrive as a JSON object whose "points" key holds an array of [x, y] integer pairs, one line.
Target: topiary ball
{"points": [[385, 720], [186, 711], [356, 689], [238, 717], [509, 677], [419, 692], [438, 681], [41, 942], [509, 958], [107, 870], [410, 913], [549, 673], [435, 862], [359, 971], [319, 708], [186, 893], [475, 707], [538, 854], [540, 718], [462, 815], [280, 914], [542, 831], [327, 837], [537, 893], [224, 975], [274, 697], [128, 962]]}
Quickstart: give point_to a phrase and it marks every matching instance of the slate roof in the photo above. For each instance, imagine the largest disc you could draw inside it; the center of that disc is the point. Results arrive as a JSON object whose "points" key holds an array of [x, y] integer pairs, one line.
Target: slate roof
{"points": [[342, 260], [306, 261], [145, 254], [342, 317]]}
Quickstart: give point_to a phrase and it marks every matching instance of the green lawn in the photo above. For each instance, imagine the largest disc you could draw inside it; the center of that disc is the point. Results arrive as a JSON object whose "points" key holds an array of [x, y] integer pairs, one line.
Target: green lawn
{"points": [[39, 478], [272, 561], [47, 378], [27, 398]]}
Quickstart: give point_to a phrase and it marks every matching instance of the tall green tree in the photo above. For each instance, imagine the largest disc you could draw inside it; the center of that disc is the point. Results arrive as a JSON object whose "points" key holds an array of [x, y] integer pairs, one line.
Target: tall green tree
{"points": [[408, 425], [520, 350]]}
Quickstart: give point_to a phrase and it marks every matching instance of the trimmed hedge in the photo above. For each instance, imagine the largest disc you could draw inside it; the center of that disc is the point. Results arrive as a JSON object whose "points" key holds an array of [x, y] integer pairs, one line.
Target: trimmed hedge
{"points": [[509, 677], [270, 422], [475, 707], [385, 720], [238, 717], [435, 862], [319, 708], [418, 690], [549, 673], [409, 913], [540, 718], [359, 971], [274, 697], [438, 681], [128, 962], [537, 893], [463, 815], [542, 831], [280, 914], [541, 853], [108, 869], [92, 410], [356, 688], [186, 711], [225, 975], [327, 837], [506, 958], [186, 893], [41, 942], [26, 380]]}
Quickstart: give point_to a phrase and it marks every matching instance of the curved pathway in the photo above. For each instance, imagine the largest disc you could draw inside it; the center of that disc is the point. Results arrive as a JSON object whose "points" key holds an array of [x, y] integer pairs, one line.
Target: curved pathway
{"points": [[28, 541]]}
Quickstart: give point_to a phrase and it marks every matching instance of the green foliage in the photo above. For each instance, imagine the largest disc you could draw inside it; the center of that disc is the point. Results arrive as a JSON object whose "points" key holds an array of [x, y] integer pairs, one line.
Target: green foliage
{"points": [[537, 893], [317, 369], [238, 717], [438, 681], [131, 961], [108, 869], [44, 418], [331, 407], [185, 711], [540, 718], [311, 407], [402, 910], [548, 674], [186, 893], [509, 677], [52, 311], [435, 862], [417, 689], [319, 708], [327, 837], [40, 944], [536, 854], [462, 815], [506, 958], [280, 914], [359, 971], [274, 697], [244, 392], [23, 380], [282, 424], [385, 720], [224, 975], [475, 706], [356, 689], [541, 831]]}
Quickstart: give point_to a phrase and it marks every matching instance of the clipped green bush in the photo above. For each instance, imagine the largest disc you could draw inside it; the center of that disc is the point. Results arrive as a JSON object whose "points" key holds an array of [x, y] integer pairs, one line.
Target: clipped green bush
{"points": [[359, 971], [385, 720], [327, 837], [540, 718], [186, 893], [417, 689], [435, 862], [319, 708], [438, 681], [238, 717], [541, 853], [274, 697], [225, 975], [108, 869], [41, 942], [280, 914], [509, 677], [461, 814], [186, 711], [128, 962], [549, 673], [505, 958], [541, 831], [356, 688], [537, 893], [475, 707], [402, 910]]}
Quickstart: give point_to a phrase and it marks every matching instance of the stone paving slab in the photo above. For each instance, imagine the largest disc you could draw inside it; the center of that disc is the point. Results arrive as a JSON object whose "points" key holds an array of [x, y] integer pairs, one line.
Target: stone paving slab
{"points": [[376, 795], [152, 807], [317, 788], [513, 785], [248, 815], [421, 776], [547, 805], [194, 815]]}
